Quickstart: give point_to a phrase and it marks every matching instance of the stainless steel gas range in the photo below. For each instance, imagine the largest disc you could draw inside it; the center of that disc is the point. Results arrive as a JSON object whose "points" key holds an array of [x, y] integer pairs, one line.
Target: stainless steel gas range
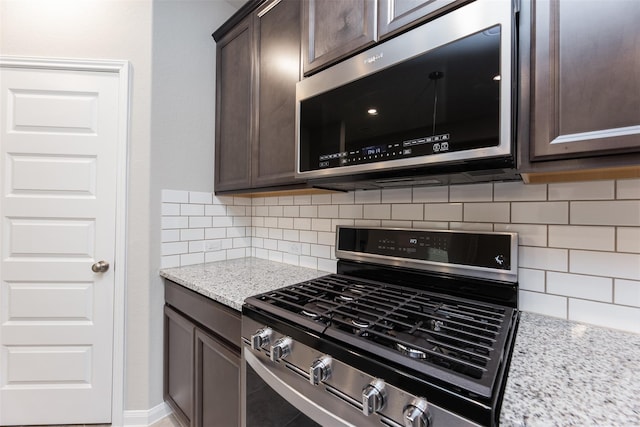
{"points": [[416, 328]]}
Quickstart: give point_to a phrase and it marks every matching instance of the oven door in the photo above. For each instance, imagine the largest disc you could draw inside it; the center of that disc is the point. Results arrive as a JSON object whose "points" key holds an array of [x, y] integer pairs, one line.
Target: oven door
{"points": [[274, 395]]}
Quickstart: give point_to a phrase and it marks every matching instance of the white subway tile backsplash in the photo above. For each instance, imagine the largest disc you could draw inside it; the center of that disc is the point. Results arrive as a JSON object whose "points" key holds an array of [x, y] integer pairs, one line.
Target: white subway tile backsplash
{"points": [[486, 212], [321, 199], [592, 190], [368, 196], [430, 194], [518, 191], [328, 265], [531, 280], [342, 198], [215, 233], [407, 212], [396, 195], [291, 235], [275, 233], [276, 211], [609, 315], [540, 212], [309, 262], [302, 200], [170, 236], [200, 197], [628, 189], [350, 211], [192, 234], [543, 258], [174, 196], [624, 213], [606, 264], [200, 221], [579, 286], [321, 251], [215, 210], [568, 234], [550, 305], [579, 237], [291, 211], [471, 193], [627, 292], [191, 259], [285, 200], [471, 226], [172, 222], [443, 211], [170, 209], [321, 224], [309, 236], [285, 222], [628, 239], [196, 246], [170, 261], [326, 238], [528, 235], [302, 223], [312, 211], [327, 211], [377, 211]]}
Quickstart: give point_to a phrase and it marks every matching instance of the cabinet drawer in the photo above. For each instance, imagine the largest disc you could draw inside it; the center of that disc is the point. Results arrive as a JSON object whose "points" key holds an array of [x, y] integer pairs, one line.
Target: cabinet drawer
{"points": [[216, 317]]}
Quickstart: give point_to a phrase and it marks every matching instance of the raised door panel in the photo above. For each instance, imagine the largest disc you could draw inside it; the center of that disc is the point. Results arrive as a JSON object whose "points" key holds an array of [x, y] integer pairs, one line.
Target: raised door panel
{"points": [[278, 35], [234, 108], [217, 382], [179, 344], [586, 78], [394, 15], [332, 30]]}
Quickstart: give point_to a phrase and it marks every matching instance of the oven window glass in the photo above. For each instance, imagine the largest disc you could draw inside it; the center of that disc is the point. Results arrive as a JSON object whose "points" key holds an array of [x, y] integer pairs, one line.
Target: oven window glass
{"points": [[445, 100], [266, 408]]}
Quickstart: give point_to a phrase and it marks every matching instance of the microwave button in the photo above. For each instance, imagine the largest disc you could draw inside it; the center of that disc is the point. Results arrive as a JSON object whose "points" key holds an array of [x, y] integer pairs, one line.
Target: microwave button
{"points": [[406, 151]]}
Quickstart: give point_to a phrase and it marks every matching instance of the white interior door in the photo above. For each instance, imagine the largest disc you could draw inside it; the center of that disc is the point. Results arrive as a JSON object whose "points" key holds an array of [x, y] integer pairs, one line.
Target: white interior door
{"points": [[58, 154]]}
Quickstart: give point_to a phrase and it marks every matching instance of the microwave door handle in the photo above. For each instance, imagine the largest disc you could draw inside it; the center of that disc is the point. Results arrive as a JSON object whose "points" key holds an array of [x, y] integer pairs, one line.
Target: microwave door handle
{"points": [[314, 411]]}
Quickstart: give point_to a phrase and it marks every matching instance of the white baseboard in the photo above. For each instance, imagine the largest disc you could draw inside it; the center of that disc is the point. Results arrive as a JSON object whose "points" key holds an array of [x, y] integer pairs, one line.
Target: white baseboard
{"points": [[144, 418]]}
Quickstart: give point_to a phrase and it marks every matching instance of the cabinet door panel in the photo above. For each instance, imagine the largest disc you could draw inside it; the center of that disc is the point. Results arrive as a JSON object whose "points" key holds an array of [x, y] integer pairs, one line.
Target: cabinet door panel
{"points": [[586, 88], [334, 29], [395, 14], [217, 383], [234, 114], [179, 336], [278, 34]]}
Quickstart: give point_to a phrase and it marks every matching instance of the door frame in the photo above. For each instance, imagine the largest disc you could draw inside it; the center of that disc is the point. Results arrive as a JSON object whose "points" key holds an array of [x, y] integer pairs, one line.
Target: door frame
{"points": [[122, 69]]}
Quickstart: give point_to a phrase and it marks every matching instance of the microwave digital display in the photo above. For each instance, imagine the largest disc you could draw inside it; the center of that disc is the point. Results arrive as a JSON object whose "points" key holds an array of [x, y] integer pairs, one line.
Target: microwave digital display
{"points": [[443, 101]]}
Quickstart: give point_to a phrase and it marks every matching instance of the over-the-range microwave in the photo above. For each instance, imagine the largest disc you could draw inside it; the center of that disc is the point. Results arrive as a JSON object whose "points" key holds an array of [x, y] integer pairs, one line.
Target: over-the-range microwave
{"points": [[434, 105]]}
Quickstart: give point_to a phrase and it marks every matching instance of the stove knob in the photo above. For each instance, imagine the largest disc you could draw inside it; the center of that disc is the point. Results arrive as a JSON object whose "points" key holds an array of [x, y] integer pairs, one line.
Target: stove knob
{"points": [[261, 339], [281, 348], [320, 370], [373, 397], [416, 413]]}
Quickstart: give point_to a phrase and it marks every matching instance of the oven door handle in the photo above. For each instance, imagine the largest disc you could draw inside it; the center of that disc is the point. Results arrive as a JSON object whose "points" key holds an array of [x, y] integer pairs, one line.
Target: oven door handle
{"points": [[294, 397]]}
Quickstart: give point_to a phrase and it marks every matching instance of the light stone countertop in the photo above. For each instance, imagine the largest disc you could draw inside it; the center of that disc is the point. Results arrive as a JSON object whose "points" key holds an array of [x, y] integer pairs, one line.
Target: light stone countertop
{"points": [[562, 373]]}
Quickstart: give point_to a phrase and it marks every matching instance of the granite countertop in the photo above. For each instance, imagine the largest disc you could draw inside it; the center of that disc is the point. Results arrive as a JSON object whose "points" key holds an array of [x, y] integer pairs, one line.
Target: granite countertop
{"points": [[562, 373]]}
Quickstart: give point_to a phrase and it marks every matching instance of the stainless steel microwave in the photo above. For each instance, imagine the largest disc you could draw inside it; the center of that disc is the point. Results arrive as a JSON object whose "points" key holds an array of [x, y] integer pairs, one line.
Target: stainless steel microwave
{"points": [[431, 106]]}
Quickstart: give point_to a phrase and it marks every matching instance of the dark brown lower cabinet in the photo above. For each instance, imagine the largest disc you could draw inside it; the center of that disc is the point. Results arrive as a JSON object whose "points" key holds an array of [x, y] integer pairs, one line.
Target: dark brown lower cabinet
{"points": [[202, 359]]}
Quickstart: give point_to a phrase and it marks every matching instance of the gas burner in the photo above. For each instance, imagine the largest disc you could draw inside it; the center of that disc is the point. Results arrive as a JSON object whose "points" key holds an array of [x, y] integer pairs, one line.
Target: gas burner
{"points": [[411, 352], [414, 345], [311, 310], [360, 323], [349, 295]]}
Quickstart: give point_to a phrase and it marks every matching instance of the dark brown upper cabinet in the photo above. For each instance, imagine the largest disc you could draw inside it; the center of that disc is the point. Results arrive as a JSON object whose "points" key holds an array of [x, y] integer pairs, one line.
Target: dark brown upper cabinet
{"points": [[332, 30], [277, 27], [258, 66], [585, 79], [395, 15], [234, 107]]}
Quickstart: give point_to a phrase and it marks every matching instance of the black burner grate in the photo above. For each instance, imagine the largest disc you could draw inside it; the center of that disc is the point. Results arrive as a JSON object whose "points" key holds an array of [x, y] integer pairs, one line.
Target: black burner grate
{"points": [[455, 334]]}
